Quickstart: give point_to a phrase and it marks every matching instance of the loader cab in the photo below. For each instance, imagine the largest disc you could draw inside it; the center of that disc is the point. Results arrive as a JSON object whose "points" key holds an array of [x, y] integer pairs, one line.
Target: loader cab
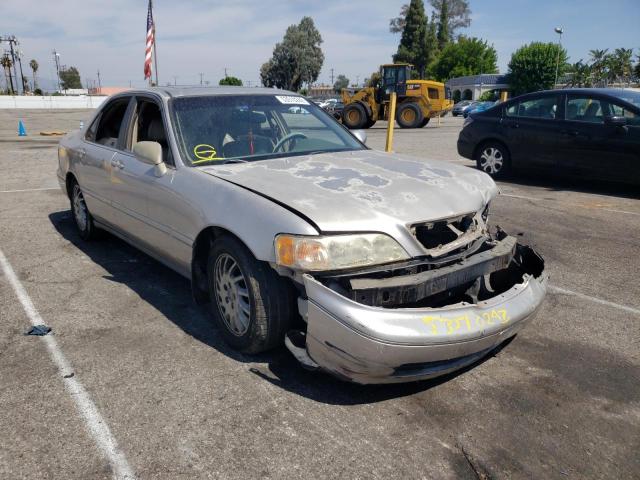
{"points": [[393, 79]]}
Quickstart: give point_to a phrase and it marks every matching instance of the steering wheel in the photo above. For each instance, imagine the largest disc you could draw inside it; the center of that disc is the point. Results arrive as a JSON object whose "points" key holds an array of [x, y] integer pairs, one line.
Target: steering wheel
{"points": [[288, 138]]}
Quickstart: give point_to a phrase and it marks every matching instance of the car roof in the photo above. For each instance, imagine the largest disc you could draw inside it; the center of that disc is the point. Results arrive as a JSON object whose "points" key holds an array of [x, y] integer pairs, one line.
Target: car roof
{"points": [[175, 91], [597, 91]]}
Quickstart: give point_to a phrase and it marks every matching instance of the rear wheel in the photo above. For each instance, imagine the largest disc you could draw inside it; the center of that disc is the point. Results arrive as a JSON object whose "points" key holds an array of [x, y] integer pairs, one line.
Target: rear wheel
{"points": [[409, 115], [493, 158], [354, 116], [81, 214], [370, 123], [424, 122], [250, 302]]}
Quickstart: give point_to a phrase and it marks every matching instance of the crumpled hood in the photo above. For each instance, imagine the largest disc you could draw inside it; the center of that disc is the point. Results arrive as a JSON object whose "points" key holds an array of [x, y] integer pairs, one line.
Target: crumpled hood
{"points": [[364, 190]]}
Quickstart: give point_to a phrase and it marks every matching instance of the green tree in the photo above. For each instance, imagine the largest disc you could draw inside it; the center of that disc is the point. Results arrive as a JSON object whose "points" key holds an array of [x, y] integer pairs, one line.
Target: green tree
{"points": [[533, 67], [490, 96], [396, 24], [621, 65], [373, 80], [340, 83], [458, 14], [296, 60], [637, 67], [467, 56], [443, 25], [70, 78], [232, 81], [412, 48]]}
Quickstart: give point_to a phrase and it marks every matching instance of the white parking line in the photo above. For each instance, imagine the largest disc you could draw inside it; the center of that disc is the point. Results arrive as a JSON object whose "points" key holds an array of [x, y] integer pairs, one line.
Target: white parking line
{"points": [[594, 299], [30, 190], [95, 423]]}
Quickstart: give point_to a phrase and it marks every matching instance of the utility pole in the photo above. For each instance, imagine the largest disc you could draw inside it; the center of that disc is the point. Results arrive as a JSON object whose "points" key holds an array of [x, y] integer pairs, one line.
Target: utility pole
{"points": [[332, 76], [99, 84], [12, 40], [225, 72], [175, 80], [19, 54], [559, 31], [56, 57], [201, 74]]}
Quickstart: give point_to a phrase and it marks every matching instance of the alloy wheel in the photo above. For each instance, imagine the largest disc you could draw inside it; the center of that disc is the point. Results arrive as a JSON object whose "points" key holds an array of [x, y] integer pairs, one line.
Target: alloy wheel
{"points": [[80, 212], [232, 295]]}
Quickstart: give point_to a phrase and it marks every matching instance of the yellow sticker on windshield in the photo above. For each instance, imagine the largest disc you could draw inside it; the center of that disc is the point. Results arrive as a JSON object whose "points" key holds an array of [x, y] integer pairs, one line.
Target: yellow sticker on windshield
{"points": [[205, 153]]}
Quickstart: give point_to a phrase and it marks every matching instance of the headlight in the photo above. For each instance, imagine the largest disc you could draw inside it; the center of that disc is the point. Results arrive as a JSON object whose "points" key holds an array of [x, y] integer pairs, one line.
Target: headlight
{"points": [[336, 252]]}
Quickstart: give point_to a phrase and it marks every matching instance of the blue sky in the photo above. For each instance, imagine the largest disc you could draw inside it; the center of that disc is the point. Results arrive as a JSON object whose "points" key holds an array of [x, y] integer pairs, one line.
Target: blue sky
{"points": [[205, 36]]}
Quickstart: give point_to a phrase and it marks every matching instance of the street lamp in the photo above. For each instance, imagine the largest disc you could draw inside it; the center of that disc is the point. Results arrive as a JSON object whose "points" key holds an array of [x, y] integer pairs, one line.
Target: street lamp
{"points": [[559, 31]]}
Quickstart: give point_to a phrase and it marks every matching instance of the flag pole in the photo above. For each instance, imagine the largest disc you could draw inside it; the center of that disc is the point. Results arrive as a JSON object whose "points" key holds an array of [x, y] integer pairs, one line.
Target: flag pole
{"points": [[155, 57]]}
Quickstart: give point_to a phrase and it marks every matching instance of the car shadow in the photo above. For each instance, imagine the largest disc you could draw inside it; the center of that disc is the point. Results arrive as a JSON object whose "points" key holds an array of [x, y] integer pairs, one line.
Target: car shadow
{"points": [[565, 183], [170, 294]]}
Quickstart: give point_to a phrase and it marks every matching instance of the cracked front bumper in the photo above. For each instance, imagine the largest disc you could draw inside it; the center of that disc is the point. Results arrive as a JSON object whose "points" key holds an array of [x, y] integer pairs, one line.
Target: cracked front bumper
{"points": [[367, 344]]}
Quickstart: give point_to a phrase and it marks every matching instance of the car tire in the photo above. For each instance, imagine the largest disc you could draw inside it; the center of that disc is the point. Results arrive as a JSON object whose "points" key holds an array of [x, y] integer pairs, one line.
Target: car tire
{"points": [[354, 116], [370, 123], [409, 115], [251, 304], [81, 215], [493, 158], [424, 122]]}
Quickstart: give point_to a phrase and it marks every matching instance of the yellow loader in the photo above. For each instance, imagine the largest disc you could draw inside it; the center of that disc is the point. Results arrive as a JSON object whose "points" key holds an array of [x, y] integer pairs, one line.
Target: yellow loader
{"points": [[418, 101]]}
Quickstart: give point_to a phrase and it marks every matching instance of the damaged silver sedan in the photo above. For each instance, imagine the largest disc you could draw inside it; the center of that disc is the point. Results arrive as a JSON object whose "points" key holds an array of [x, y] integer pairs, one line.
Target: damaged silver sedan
{"points": [[374, 267]]}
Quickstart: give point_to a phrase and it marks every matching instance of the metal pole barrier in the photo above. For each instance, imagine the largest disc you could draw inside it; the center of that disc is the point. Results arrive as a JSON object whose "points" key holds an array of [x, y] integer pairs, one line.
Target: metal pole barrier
{"points": [[391, 122]]}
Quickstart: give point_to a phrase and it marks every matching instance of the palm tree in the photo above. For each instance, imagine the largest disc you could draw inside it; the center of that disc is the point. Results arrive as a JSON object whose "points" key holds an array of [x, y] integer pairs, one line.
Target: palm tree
{"points": [[7, 63], [622, 63], [580, 74], [34, 66], [599, 61]]}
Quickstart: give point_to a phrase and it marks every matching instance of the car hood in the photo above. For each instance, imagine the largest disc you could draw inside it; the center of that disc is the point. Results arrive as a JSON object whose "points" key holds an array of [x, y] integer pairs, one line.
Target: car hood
{"points": [[364, 190]]}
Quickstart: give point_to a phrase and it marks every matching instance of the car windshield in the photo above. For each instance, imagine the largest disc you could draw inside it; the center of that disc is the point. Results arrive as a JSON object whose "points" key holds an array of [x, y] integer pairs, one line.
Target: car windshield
{"points": [[218, 129], [630, 96]]}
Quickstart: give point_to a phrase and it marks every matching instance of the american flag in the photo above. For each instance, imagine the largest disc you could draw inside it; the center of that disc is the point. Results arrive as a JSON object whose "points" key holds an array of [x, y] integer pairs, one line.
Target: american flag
{"points": [[151, 32]]}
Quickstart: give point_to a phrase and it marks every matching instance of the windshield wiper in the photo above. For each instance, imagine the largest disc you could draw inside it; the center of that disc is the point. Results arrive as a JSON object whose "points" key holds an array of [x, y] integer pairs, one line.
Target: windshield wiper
{"points": [[234, 160]]}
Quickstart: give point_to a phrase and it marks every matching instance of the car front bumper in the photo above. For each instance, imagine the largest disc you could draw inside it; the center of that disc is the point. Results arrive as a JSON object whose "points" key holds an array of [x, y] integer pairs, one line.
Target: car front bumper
{"points": [[465, 145], [366, 344]]}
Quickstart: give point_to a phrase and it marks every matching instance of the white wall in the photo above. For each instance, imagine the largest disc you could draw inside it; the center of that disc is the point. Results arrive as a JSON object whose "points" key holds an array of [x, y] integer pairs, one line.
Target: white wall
{"points": [[7, 101]]}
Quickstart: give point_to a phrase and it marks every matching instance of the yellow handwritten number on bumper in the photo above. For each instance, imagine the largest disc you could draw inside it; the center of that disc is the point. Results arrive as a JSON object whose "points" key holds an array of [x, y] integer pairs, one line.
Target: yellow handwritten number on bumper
{"points": [[465, 322]]}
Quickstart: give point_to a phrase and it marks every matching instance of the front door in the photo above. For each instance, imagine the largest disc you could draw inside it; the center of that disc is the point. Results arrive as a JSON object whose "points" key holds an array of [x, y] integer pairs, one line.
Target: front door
{"points": [[591, 147]]}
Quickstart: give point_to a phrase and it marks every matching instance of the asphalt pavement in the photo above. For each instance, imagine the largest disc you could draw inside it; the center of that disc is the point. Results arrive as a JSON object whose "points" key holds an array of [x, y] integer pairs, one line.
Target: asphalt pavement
{"points": [[170, 400]]}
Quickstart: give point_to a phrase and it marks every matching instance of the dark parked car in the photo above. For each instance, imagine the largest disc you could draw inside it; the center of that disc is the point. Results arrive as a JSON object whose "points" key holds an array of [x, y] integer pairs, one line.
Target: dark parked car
{"points": [[459, 107], [584, 132], [477, 107]]}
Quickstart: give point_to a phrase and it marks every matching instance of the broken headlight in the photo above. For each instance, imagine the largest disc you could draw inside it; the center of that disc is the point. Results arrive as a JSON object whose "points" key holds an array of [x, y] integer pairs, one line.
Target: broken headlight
{"points": [[336, 252]]}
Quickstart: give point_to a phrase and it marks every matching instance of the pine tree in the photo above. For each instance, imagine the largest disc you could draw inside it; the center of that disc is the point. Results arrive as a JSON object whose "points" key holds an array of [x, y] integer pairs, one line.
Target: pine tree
{"points": [[413, 43], [443, 25]]}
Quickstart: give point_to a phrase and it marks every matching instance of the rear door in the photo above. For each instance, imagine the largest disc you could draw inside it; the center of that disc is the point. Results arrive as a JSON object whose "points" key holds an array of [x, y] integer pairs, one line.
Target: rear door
{"points": [[93, 159], [531, 129], [591, 147]]}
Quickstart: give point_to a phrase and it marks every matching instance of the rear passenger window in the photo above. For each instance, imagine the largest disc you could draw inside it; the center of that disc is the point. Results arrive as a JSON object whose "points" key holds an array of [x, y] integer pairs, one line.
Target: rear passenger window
{"points": [[585, 109], [433, 93], [109, 123], [545, 107]]}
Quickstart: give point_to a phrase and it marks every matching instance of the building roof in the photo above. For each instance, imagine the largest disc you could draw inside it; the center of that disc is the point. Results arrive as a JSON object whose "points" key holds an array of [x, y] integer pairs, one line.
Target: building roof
{"points": [[484, 79]]}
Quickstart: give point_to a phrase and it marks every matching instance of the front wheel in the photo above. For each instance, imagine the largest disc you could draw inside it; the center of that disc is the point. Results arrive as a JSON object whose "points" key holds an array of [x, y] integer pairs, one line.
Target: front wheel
{"points": [[250, 302], [493, 159], [354, 116], [424, 122], [409, 115]]}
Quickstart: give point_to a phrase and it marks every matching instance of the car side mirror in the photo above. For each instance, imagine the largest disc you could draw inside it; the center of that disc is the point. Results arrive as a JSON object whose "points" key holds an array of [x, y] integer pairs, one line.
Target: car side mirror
{"points": [[151, 154], [360, 135], [615, 121]]}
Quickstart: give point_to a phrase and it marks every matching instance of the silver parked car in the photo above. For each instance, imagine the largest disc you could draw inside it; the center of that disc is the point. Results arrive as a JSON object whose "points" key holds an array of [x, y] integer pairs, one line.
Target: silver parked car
{"points": [[372, 266]]}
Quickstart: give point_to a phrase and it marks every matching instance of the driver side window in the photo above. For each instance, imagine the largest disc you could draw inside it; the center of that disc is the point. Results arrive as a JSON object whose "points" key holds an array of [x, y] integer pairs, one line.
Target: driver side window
{"points": [[148, 126]]}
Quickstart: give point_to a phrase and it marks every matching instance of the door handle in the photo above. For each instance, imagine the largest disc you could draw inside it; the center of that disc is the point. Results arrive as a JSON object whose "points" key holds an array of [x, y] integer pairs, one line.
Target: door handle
{"points": [[117, 164], [570, 133]]}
